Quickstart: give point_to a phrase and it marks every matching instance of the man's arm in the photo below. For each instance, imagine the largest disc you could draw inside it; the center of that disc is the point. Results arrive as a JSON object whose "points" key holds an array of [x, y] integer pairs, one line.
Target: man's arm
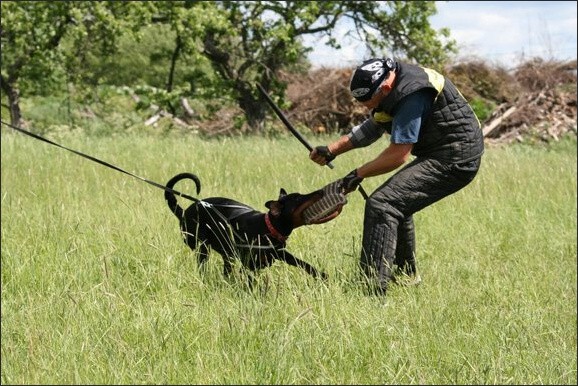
{"points": [[360, 136], [340, 146], [388, 160]]}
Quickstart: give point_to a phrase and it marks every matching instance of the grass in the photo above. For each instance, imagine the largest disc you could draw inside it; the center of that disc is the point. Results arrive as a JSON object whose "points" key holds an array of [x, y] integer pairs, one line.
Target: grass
{"points": [[98, 288]]}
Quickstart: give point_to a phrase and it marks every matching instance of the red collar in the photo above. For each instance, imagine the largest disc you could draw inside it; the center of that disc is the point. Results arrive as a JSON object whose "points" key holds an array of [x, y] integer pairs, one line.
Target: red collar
{"points": [[274, 232]]}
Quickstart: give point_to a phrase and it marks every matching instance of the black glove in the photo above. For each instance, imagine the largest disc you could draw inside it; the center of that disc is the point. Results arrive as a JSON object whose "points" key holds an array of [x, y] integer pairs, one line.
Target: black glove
{"points": [[325, 153], [351, 182]]}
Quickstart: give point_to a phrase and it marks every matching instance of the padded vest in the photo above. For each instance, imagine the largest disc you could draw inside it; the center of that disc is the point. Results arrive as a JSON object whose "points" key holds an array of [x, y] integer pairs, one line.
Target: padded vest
{"points": [[452, 131]]}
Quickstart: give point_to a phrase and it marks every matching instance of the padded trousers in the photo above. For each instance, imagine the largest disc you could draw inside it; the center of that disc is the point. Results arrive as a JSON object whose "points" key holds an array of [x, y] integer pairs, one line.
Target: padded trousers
{"points": [[388, 228]]}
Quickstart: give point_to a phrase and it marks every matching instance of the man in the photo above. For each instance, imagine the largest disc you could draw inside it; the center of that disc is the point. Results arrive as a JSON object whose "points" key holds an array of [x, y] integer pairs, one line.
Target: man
{"points": [[425, 116]]}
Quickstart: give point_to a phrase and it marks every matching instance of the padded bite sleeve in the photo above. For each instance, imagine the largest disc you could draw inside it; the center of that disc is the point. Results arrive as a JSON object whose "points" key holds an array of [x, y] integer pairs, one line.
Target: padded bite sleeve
{"points": [[333, 199]]}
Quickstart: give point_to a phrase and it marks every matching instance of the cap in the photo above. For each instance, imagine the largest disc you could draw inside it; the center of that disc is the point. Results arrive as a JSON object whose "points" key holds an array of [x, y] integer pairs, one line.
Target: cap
{"points": [[368, 76]]}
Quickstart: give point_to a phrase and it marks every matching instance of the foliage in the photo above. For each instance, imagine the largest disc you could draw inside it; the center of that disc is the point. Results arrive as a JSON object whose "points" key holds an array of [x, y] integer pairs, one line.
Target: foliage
{"points": [[249, 42], [49, 41], [229, 46], [401, 29], [30, 35], [482, 107]]}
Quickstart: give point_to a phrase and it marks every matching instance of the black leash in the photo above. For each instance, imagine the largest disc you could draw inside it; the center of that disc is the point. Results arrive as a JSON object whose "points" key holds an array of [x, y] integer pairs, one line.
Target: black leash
{"points": [[100, 162], [205, 204]]}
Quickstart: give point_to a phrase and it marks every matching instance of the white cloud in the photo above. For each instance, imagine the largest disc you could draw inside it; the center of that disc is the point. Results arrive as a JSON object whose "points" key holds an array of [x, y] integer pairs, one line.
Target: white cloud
{"points": [[509, 31], [348, 56], [504, 32]]}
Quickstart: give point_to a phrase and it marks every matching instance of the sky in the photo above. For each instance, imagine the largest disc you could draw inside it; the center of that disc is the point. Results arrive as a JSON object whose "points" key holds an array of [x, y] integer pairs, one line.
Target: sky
{"points": [[501, 32]]}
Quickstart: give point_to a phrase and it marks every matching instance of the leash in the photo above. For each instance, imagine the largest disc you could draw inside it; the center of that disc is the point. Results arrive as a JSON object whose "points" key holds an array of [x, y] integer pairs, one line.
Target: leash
{"points": [[36, 136], [94, 159]]}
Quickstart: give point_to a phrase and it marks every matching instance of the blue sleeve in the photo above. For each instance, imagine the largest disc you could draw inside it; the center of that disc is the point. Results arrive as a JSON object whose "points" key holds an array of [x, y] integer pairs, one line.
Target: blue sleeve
{"points": [[411, 111]]}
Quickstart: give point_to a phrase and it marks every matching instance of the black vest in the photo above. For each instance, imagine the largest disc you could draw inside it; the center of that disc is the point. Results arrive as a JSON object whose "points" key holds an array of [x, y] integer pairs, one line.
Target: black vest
{"points": [[452, 131]]}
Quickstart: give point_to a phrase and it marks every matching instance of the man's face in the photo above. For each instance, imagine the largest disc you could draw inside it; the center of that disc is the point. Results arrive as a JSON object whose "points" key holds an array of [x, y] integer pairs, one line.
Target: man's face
{"points": [[374, 101], [382, 91]]}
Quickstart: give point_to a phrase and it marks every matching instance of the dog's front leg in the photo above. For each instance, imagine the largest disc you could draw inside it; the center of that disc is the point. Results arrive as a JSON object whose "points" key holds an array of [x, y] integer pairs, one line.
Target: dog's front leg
{"points": [[296, 262]]}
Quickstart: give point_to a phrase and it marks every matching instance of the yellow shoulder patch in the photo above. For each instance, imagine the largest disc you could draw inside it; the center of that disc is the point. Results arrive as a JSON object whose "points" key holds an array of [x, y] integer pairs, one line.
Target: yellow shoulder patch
{"points": [[382, 117], [435, 78]]}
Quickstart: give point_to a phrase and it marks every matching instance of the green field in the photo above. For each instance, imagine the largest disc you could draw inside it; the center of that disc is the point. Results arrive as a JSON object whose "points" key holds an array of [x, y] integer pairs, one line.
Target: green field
{"points": [[98, 288]]}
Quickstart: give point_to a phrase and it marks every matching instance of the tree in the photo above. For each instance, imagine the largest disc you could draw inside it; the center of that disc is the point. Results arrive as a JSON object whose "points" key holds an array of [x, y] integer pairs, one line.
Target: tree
{"points": [[252, 41], [243, 42], [33, 35]]}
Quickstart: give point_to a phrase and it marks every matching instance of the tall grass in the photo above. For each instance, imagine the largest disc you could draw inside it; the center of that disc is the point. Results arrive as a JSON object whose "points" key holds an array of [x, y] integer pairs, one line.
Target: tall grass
{"points": [[97, 286]]}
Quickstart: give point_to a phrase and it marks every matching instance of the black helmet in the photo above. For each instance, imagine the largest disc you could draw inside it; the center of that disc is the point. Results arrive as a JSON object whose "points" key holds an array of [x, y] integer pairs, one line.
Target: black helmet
{"points": [[368, 76]]}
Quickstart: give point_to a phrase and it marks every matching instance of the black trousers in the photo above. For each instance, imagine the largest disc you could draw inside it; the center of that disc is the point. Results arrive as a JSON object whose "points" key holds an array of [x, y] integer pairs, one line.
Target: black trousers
{"points": [[388, 228]]}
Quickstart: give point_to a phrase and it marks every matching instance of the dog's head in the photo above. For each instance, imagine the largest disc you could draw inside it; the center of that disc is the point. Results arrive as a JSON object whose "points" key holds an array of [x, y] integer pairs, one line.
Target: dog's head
{"points": [[287, 210]]}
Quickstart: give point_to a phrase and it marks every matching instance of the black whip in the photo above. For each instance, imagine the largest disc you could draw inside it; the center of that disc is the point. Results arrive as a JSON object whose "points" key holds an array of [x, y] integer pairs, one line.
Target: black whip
{"points": [[293, 131]]}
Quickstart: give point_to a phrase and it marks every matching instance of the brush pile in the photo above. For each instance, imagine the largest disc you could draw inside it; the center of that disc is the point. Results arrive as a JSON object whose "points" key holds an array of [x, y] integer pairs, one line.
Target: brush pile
{"points": [[534, 102]]}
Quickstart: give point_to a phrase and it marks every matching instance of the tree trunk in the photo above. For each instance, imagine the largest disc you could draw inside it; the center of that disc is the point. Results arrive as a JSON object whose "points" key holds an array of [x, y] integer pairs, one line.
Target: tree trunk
{"points": [[174, 58], [255, 110], [13, 95]]}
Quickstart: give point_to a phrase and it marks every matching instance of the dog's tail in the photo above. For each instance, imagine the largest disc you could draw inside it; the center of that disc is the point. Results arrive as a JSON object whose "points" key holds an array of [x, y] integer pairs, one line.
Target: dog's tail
{"points": [[170, 196]]}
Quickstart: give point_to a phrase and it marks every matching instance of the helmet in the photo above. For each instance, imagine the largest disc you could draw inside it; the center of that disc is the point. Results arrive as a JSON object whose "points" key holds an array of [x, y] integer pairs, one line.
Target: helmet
{"points": [[368, 76]]}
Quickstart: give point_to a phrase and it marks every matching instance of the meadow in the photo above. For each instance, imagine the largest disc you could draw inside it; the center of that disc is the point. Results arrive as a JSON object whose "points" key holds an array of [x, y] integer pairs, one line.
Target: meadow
{"points": [[98, 287]]}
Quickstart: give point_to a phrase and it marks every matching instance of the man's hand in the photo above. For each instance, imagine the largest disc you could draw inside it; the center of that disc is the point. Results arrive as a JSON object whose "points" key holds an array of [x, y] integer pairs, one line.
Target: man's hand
{"points": [[351, 182], [321, 155]]}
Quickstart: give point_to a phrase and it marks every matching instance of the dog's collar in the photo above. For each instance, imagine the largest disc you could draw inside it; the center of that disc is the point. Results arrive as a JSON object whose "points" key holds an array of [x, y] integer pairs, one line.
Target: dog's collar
{"points": [[274, 232]]}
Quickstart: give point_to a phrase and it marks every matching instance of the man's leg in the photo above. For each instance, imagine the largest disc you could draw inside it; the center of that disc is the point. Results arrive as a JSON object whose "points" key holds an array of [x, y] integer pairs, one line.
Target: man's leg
{"points": [[389, 209], [405, 251], [378, 244]]}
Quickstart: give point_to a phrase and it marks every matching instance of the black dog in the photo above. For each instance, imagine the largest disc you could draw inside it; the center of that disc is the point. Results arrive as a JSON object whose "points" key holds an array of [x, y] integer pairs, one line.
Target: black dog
{"points": [[235, 230]]}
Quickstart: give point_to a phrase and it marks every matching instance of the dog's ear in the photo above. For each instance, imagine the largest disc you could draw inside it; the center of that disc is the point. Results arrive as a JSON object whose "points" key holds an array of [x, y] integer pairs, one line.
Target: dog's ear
{"points": [[274, 207]]}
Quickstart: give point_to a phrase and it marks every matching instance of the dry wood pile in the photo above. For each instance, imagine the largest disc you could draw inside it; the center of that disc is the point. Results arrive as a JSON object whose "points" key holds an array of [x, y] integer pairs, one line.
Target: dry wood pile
{"points": [[320, 100], [544, 106], [536, 102], [546, 115]]}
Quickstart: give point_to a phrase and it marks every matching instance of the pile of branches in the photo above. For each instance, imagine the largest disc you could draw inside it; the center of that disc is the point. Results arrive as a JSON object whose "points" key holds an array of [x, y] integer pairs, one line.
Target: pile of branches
{"points": [[544, 110], [546, 116], [535, 101], [320, 100]]}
